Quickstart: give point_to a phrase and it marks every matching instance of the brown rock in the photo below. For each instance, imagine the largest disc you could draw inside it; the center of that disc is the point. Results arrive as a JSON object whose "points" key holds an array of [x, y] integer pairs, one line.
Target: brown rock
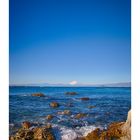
{"points": [[80, 115], [71, 93], [39, 133], [54, 104], [84, 98], [23, 134], [11, 138], [43, 134], [115, 131], [38, 94], [49, 117], [26, 125], [94, 135], [65, 112]]}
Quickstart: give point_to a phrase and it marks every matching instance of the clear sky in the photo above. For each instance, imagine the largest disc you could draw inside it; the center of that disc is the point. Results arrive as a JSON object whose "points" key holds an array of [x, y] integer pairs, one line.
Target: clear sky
{"points": [[58, 41]]}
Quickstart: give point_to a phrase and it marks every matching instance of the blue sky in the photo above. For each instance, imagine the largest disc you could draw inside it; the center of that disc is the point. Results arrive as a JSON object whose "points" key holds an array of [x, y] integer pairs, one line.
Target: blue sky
{"points": [[58, 41]]}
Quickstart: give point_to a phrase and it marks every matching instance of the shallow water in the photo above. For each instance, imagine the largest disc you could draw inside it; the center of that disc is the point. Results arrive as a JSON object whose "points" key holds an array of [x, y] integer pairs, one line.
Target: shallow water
{"points": [[111, 104]]}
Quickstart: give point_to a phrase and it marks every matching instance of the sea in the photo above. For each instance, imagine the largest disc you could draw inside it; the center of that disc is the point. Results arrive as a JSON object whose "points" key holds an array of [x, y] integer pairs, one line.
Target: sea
{"points": [[111, 104]]}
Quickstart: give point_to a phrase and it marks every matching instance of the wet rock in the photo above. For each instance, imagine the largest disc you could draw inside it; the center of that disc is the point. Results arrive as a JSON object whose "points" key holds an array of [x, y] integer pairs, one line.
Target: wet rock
{"points": [[26, 125], [54, 104], [23, 134], [84, 98], [49, 126], [43, 134], [71, 93], [94, 135], [49, 117], [80, 115], [115, 131], [38, 94], [65, 112], [90, 107], [39, 133]]}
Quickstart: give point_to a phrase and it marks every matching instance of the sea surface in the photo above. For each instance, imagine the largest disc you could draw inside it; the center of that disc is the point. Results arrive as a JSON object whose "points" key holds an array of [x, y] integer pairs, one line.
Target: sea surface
{"points": [[111, 105]]}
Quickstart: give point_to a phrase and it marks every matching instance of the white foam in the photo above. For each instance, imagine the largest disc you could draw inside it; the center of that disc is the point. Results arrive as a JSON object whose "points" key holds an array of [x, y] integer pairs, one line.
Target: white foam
{"points": [[73, 134]]}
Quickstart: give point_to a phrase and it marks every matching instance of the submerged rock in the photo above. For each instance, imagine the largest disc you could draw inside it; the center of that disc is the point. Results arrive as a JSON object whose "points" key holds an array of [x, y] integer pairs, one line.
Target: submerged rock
{"points": [[90, 107], [71, 93], [49, 117], [54, 104], [26, 125], [84, 98], [80, 115], [38, 94], [65, 112]]}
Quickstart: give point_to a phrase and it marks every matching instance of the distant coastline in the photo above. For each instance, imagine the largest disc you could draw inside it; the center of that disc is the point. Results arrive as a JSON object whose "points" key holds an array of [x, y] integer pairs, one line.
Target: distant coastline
{"points": [[124, 84]]}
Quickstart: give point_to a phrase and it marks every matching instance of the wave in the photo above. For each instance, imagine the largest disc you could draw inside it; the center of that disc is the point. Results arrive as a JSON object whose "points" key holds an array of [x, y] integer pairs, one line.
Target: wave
{"points": [[75, 133]]}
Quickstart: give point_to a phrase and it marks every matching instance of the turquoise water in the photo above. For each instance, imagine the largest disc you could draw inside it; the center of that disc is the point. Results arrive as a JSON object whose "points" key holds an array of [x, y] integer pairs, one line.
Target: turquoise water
{"points": [[111, 104]]}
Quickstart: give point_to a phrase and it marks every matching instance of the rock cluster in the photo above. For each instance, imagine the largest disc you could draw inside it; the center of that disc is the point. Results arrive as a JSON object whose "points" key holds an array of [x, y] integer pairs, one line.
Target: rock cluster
{"points": [[38, 133], [115, 131]]}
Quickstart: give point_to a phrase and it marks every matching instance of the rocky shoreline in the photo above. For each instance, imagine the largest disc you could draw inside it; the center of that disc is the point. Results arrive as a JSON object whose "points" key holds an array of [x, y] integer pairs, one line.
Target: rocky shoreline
{"points": [[115, 131]]}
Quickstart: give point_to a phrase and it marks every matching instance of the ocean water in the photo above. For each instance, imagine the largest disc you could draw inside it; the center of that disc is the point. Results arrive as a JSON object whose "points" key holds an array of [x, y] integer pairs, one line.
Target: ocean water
{"points": [[111, 105]]}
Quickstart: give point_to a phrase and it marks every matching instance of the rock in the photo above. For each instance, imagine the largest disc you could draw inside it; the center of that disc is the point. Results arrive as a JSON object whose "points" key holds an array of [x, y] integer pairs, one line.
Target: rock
{"points": [[43, 134], [65, 112], [49, 126], [115, 131], [54, 104], [126, 128], [80, 115], [38, 94], [23, 134], [38, 133], [94, 135], [26, 125], [49, 117], [11, 138], [90, 107], [71, 93], [84, 98]]}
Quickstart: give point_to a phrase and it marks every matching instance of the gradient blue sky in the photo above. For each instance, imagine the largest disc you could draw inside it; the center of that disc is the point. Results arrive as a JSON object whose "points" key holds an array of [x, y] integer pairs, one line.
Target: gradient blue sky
{"points": [[58, 41]]}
